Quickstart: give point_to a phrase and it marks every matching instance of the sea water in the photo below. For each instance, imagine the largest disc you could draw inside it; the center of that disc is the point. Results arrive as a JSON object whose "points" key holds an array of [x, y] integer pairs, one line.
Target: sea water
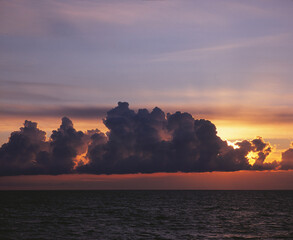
{"points": [[146, 215]]}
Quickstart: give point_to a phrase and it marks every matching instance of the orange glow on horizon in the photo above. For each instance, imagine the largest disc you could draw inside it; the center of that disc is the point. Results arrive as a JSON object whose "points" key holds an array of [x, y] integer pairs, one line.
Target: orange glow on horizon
{"points": [[240, 180]]}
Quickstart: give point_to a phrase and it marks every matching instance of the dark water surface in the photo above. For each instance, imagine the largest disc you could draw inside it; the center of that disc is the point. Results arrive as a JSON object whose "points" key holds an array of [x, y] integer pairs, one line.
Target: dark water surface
{"points": [[146, 215]]}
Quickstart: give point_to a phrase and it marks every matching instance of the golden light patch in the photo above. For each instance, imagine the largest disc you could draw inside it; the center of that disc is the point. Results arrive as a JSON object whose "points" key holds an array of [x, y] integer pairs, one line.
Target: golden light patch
{"points": [[252, 156], [229, 129], [81, 160]]}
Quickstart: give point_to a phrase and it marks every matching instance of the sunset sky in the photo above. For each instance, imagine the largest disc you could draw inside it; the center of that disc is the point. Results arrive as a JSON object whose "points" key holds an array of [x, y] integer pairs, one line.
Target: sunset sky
{"points": [[229, 62]]}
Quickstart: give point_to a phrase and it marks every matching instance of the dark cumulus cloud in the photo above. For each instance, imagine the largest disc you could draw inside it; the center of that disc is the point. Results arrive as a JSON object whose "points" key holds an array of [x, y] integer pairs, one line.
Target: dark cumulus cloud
{"points": [[137, 142], [28, 152], [287, 159]]}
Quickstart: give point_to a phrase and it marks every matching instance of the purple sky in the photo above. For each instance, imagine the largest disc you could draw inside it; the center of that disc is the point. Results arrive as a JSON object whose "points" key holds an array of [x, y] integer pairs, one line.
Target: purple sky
{"points": [[146, 52]]}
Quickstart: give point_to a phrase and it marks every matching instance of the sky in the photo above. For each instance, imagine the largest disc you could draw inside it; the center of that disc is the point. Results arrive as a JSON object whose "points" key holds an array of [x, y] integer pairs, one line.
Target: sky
{"points": [[229, 62]]}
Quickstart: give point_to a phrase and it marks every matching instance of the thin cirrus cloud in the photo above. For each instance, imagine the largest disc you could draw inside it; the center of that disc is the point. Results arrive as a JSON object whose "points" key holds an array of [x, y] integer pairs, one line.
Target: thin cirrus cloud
{"points": [[247, 115], [199, 53], [53, 111], [137, 142], [33, 99], [266, 92]]}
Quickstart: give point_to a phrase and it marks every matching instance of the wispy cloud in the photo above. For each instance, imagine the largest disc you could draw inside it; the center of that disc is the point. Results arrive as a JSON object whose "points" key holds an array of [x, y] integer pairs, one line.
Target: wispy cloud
{"points": [[198, 53], [53, 111], [257, 115]]}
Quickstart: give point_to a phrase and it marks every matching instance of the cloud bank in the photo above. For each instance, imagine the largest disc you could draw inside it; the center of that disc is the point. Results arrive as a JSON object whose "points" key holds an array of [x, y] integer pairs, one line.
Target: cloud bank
{"points": [[137, 142]]}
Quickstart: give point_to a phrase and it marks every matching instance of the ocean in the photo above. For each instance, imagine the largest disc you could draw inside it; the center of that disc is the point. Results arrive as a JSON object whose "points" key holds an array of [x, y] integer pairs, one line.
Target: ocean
{"points": [[146, 215]]}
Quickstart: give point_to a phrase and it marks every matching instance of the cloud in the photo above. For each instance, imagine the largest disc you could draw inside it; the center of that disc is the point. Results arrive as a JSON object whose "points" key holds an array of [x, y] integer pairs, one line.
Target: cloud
{"points": [[137, 142], [28, 152], [262, 150], [287, 159], [66, 143], [19, 155], [49, 111], [244, 114], [199, 53]]}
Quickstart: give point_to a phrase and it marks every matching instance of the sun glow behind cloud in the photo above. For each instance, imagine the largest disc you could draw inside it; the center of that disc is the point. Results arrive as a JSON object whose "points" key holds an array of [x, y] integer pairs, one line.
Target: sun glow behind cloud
{"points": [[233, 144]]}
